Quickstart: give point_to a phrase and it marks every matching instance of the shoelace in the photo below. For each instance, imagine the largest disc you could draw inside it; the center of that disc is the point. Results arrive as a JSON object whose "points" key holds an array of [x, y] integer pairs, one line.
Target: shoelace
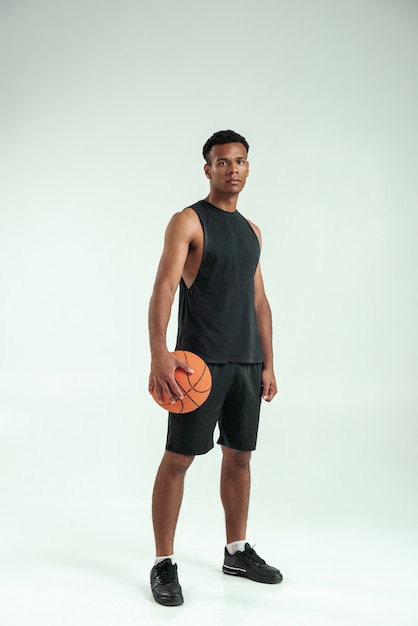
{"points": [[252, 554], [167, 573]]}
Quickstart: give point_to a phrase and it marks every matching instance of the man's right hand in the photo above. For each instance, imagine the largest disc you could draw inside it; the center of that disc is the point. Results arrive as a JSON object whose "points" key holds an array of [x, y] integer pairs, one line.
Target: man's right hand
{"points": [[161, 378]]}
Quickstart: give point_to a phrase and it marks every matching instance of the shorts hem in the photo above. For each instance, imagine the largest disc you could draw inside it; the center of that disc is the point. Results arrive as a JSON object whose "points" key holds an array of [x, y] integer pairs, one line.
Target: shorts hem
{"points": [[200, 453], [226, 445]]}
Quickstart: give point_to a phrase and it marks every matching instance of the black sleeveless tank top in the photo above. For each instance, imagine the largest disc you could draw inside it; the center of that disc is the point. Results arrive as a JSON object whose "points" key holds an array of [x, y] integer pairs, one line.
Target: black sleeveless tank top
{"points": [[217, 318]]}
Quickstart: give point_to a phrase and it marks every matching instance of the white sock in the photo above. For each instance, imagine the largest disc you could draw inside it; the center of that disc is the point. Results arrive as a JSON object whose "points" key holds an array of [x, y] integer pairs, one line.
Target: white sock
{"points": [[160, 559], [236, 546]]}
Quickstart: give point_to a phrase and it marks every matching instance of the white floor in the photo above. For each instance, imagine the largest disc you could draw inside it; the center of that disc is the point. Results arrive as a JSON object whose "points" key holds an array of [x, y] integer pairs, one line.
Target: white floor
{"points": [[84, 562]]}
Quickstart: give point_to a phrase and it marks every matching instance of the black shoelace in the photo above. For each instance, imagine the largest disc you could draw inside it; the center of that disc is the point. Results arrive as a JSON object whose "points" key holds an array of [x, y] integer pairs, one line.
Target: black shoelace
{"points": [[252, 554], [167, 573]]}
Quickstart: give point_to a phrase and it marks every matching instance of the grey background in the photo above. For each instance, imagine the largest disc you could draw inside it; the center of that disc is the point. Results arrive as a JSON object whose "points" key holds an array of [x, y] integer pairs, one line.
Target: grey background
{"points": [[105, 107]]}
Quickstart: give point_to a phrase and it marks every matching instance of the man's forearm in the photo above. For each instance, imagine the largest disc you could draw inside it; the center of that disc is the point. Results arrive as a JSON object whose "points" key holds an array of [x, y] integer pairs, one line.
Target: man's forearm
{"points": [[158, 318]]}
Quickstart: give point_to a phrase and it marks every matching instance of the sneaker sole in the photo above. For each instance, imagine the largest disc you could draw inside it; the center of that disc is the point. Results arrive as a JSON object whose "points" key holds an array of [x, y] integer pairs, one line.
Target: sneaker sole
{"points": [[233, 571], [168, 602]]}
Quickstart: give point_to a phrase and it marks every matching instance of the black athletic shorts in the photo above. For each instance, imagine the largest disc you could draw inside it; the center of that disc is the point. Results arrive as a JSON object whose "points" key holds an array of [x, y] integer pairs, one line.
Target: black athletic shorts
{"points": [[233, 404]]}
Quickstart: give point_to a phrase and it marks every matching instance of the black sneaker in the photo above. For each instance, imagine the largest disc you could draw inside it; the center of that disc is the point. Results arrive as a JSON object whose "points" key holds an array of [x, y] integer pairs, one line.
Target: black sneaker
{"points": [[249, 565], [165, 584]]}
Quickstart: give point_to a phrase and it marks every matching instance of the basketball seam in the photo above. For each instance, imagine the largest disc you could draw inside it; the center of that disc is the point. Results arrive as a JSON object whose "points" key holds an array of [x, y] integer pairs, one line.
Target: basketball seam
{"points": [[192, 386]]}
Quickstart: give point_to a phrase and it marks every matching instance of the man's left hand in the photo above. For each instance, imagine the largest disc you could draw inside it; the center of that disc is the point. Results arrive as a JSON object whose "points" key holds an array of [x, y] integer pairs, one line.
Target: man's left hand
{"points": [[268, 382]]}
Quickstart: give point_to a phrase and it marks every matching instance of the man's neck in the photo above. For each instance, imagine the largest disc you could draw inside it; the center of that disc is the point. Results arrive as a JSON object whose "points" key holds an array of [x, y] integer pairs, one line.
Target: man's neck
{"points": [[225, 203]]}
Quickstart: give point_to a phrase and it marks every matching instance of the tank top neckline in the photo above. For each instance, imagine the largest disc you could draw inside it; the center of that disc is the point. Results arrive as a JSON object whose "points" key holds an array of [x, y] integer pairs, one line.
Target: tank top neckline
{"points": [[212, 206]]}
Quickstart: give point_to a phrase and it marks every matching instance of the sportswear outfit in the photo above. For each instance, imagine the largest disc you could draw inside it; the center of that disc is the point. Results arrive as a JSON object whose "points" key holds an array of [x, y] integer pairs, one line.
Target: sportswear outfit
{"points": [[217, 320]]}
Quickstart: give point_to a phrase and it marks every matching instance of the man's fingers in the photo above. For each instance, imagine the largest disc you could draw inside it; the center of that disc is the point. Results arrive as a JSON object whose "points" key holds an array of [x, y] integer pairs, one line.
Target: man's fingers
{"points": [[164, 385], [183, 365], [269, 392], [171, 391]]}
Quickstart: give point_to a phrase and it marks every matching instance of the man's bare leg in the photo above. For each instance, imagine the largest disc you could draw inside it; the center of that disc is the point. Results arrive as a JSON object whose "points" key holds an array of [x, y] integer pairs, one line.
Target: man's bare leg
{"points": [[166, 499], [235, 492]]}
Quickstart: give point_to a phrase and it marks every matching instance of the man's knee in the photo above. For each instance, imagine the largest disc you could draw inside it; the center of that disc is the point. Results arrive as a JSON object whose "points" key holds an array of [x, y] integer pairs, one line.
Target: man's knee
{"points": [[177, 463], [237, 458]]}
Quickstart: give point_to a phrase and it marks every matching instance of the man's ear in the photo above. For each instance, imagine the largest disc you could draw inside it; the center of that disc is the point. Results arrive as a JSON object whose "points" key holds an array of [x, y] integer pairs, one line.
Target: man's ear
{"points": [[206, 167]]}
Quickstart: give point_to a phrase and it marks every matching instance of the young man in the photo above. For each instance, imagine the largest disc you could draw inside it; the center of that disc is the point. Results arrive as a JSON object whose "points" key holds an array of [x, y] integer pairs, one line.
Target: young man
{"points": [[213, 252]]}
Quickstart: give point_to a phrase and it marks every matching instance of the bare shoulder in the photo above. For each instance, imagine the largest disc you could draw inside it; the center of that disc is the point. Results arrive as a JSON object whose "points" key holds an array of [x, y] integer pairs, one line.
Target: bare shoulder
{"points": [[256, 230], [185, 223], [190, 216]]}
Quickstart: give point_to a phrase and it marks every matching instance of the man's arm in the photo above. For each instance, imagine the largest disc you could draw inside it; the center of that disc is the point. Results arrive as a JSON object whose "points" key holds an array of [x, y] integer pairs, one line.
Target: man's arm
{"points": [[178, 237], [265, 329]]}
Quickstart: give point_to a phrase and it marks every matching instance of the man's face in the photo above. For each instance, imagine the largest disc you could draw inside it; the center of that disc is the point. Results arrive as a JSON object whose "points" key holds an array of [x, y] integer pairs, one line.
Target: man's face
{"points": [[228, 168]]}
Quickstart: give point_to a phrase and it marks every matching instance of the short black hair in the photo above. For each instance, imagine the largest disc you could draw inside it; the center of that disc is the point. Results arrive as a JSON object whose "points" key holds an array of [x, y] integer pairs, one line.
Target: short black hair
{"points": [[221, 137]]}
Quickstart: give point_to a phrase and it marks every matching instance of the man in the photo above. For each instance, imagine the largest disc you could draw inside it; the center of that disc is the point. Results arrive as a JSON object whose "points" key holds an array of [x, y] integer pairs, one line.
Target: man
{"points": [[213, 252]]}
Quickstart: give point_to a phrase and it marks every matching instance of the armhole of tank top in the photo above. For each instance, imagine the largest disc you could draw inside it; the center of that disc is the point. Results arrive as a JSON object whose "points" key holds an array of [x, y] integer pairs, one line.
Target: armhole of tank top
{"points": [[186, 288], [254, 233]]}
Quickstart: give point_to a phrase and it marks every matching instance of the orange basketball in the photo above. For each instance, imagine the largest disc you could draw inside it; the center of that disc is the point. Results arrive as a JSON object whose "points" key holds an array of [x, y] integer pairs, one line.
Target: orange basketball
{"points": [[196, 387]]}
